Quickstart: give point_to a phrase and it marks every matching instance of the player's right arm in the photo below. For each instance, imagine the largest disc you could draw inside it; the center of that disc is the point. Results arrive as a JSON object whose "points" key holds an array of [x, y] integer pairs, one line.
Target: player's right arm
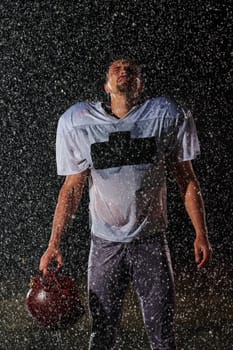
{"points": [[67, 204]]}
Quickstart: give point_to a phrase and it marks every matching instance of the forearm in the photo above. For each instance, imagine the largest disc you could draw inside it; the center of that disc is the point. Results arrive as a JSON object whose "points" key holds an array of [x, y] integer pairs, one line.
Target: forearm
{"points": [[195, 207], [191, 193], [68, 202]]}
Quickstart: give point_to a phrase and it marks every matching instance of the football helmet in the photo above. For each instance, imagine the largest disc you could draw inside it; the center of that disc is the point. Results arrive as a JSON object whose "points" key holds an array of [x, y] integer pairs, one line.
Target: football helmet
{"points": [[53, 300]]}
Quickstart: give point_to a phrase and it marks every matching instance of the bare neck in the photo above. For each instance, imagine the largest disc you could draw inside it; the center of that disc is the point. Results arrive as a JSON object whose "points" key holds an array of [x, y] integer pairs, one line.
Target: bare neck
{"points": [[122, 104]]}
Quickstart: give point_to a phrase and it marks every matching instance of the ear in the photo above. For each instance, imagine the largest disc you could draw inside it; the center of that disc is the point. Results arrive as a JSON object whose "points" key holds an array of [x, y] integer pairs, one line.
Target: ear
{"points": [[140, 85], [107, 88]]}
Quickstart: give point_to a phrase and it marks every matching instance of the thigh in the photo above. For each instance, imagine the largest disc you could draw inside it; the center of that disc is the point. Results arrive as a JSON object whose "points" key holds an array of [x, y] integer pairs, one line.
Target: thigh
{"points": [[107, 282], [107, 275], [151, 267], [154, 284]]}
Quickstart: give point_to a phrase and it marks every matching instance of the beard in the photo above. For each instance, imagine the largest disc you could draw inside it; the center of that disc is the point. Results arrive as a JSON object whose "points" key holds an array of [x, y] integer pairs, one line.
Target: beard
{"points": [[128, 89], [125, 87]]}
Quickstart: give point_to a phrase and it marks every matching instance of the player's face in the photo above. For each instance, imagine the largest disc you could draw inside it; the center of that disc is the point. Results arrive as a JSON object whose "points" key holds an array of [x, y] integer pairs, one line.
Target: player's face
{"points": [[124, 77]]}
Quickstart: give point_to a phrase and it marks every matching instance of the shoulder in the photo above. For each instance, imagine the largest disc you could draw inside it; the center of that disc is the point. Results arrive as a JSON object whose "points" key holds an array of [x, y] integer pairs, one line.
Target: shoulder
{"points": [[167, 103], [75, 116], [165, 106], [76, 110]]}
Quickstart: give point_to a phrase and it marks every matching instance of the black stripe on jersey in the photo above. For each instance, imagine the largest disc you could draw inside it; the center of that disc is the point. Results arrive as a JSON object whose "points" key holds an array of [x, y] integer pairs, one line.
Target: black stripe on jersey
{"points": [[122, 150]]}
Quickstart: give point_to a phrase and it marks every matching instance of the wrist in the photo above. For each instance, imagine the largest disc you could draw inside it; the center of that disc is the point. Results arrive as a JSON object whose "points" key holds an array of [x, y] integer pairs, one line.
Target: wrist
{"points": [[53, 245], [202, 234]]}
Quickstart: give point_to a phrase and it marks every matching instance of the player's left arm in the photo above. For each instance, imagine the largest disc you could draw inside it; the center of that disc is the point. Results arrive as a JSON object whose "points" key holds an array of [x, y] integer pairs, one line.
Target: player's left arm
{"points": [[193, 201]]}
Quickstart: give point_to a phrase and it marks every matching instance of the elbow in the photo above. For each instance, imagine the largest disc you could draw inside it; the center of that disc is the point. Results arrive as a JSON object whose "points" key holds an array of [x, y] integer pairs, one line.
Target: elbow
{"points": [[189, 187]]}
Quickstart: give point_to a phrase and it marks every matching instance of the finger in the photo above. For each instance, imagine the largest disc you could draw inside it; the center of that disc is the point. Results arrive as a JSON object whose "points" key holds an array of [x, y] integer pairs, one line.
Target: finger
{"points": [[43, 270], [205, 258], [210, 254], [197, 255], [59, 261], [59, 266], [43, 267]]}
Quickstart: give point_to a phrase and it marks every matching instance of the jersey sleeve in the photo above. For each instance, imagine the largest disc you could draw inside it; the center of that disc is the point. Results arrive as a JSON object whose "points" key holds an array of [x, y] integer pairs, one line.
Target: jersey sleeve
{"points": [[188, 146], [69, 153], [183, 143]]}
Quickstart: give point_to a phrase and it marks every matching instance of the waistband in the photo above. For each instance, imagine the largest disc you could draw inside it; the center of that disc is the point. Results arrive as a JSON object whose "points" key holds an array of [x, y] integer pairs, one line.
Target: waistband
{"points": [[151, 236]]}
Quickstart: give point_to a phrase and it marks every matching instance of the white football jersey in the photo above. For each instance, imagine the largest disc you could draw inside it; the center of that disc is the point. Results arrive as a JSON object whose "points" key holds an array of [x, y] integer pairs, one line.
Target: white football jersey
{"points": [[127, 161]]}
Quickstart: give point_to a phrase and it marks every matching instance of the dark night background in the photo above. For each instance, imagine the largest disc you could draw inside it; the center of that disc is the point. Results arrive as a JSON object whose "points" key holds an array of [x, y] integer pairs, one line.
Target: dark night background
{"points": [[53, 54]]}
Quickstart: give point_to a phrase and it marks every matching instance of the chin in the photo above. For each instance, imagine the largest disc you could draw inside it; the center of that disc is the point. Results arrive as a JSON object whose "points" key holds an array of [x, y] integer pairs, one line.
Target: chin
{"points": [[125, 88]]}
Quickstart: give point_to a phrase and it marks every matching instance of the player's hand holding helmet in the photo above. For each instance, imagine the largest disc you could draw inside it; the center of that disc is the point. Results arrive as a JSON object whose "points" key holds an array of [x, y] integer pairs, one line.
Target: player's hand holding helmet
{"points": [[51, 254]]}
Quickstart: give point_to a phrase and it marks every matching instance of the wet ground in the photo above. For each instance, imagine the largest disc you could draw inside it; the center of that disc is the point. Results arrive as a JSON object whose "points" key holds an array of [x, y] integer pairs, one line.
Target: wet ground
{"points": [[204, 318]]}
